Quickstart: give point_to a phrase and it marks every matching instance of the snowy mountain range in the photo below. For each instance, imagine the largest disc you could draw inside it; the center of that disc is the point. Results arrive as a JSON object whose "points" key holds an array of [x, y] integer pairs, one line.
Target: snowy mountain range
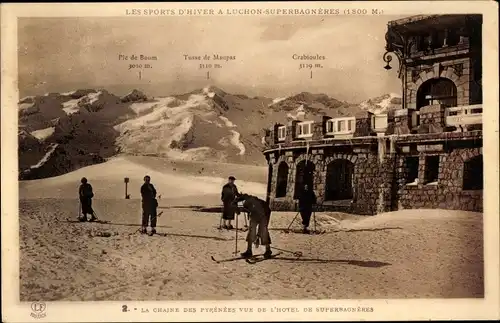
{"points": [[60, 132]]}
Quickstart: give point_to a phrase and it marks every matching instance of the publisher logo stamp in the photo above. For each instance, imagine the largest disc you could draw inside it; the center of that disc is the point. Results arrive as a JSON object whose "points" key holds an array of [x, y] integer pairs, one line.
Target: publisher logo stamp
{"points": [[38, 310]]}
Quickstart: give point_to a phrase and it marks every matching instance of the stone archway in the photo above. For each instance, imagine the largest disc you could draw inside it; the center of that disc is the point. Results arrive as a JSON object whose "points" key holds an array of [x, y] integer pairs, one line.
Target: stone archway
{"points": [[282, 179], [437, 71], [304, 175], [339, 180], [437, 91]]}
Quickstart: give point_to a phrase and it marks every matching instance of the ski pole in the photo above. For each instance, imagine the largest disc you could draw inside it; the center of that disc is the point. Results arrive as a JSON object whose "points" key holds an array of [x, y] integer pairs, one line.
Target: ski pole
{"points": [[288, 229], [236, 244]]}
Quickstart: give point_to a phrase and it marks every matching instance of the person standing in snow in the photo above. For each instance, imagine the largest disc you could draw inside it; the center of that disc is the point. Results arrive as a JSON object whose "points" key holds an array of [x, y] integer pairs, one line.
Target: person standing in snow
{"points": [[229, 193], [86, 194], [149, 205], [259, 213], [307, 199]]}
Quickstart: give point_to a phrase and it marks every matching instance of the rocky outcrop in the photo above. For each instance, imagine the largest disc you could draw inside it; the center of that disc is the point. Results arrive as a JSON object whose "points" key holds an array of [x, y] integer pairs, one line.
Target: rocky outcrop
{"points": [[134, 96]]}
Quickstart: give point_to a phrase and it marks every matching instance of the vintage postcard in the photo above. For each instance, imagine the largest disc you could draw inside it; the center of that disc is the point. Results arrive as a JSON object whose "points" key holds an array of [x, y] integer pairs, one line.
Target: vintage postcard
{"points": [[250, 161]]}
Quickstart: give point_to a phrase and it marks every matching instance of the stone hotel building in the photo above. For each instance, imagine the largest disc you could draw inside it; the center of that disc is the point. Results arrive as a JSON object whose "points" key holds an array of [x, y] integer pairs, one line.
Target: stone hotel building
{"points": [[427, 154]]}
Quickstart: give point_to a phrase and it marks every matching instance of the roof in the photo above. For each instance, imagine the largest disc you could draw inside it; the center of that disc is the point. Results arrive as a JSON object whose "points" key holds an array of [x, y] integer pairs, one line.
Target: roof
{"points": [[418, 22], [411, 19]]}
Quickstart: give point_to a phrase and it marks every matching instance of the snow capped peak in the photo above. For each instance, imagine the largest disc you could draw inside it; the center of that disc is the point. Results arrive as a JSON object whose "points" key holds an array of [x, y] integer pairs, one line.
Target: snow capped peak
{"points": [[179, 129], [74, 105], [207, 90], [68, 93], [382, 104]]}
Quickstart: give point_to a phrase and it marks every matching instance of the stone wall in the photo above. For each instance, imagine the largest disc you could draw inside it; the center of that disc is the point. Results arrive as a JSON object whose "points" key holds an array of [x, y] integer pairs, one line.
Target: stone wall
{"points": [[380, 173], [399, 122], [431, 119], [447, 193]]}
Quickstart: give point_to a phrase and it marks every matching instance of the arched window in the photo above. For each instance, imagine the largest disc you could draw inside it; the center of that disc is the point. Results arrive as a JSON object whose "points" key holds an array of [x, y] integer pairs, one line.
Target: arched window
{"points": [[304, 175], [339, 174], [437, 91], [473, 173], [282, 182]]}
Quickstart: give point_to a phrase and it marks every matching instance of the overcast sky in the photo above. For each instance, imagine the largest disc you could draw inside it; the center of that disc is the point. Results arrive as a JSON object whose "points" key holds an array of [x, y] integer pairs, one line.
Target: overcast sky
{"points": [[61, 54]]}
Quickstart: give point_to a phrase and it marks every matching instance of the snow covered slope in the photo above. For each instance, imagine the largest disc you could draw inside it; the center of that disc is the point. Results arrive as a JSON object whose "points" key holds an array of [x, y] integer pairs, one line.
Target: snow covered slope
{"points": [[191, 129]]}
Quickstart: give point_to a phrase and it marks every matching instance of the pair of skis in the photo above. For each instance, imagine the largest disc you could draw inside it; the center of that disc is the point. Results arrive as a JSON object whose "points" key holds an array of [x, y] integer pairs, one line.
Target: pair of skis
{"points": [[251, 260], [88, 221]]}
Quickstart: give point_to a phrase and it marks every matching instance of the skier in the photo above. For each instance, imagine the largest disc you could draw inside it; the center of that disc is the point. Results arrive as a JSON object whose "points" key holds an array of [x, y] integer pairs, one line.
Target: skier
{"points": [[149, 205], [307, 199], [260, 214], [228, 195], [86, 194]]}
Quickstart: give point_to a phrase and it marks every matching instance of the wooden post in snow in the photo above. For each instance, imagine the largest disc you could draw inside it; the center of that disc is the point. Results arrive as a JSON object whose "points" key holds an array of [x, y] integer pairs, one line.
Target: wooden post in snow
{"points": [[126, 180]]}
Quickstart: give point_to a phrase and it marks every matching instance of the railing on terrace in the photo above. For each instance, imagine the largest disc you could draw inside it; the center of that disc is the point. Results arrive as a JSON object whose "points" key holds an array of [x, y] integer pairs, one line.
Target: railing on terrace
{"points": [[464, 115]]}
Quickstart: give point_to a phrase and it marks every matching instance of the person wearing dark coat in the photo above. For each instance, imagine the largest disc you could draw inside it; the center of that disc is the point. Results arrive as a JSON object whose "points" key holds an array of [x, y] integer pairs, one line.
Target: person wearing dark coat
{"points": [[86, 194], [149, 205], [229, 193], [259, 213], [307, 199]]}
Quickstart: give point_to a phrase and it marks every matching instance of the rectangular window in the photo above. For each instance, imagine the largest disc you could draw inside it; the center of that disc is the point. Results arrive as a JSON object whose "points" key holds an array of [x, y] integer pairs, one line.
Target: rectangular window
{"points": [[345, 125], [329, 126], [281, 133], [304, 129], [411, 170], [340, 125], [431, 169]]}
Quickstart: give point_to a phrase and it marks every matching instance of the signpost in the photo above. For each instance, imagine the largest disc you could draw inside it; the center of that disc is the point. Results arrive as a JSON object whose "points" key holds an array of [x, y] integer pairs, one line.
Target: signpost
{"points": [[126, 180]]}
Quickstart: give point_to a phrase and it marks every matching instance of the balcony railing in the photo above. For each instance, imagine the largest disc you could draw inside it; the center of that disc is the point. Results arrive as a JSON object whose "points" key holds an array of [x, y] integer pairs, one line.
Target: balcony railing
{"points": [[464, 115]]}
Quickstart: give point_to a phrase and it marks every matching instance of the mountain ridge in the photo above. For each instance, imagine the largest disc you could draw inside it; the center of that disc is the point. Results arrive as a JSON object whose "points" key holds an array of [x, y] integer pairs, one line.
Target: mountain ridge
{"points": [[90, 125]]}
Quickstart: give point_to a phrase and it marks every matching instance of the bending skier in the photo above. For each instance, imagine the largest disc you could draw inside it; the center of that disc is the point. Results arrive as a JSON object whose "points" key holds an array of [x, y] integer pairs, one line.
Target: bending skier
{"points": [[229, 193], [86, 194], [260, 214], [149, 205]]}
